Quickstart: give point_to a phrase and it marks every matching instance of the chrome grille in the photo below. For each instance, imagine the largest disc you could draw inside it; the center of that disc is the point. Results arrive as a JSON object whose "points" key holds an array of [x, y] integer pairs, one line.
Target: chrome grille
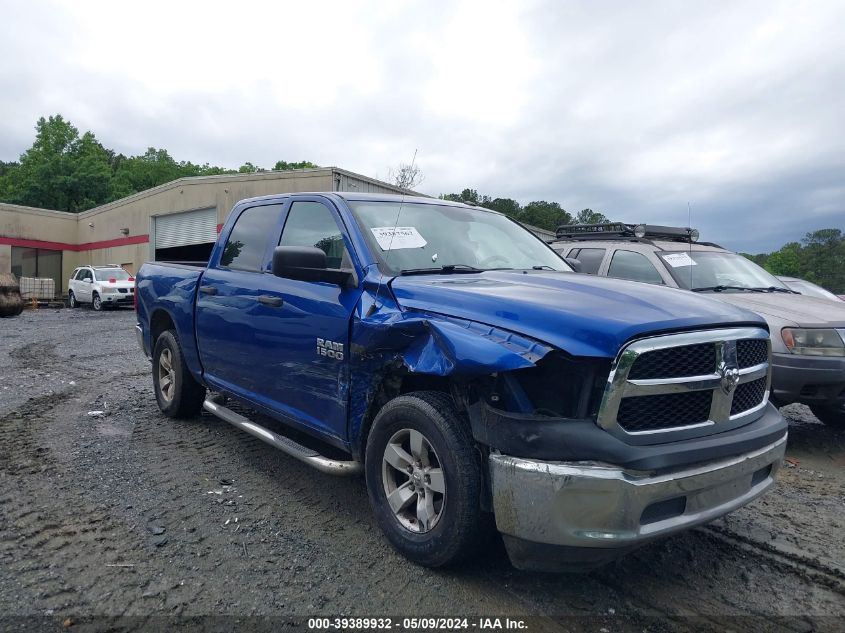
{"points": [[668, 387]]}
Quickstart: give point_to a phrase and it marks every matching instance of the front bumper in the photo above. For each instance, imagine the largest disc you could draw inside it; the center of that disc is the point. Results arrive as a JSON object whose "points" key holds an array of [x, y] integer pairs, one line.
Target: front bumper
{"points": [[813, 380], [118, 298], [581, 514]]}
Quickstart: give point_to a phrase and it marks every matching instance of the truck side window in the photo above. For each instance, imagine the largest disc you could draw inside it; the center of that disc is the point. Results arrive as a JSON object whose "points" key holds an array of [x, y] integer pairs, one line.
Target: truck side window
{"points": [[312, 224], [247, 242], [590, 259], [633, 266]]}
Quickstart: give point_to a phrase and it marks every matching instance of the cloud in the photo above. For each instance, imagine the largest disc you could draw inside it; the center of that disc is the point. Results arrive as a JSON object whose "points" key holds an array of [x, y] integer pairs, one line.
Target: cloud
{"points": [[632, 109]]}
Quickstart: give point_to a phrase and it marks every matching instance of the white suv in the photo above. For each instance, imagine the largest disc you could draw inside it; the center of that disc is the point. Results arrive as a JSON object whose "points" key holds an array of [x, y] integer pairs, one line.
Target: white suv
{"points": [[101, 286]]}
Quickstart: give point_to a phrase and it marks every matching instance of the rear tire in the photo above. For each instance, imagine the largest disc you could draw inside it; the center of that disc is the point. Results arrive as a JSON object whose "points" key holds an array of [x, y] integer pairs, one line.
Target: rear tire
{"points": [[177, 393], [424, 479], [830, 416], [71, 300]]}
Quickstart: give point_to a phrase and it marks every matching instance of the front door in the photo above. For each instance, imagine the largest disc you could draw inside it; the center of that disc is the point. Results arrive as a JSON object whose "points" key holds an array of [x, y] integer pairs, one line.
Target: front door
{"points": [[84, 285], [309, 332]]}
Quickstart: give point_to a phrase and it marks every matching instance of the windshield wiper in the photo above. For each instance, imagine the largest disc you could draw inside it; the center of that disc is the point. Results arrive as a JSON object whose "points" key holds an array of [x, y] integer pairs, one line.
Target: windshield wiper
{"points": [[778, 289], [543, 267], [448, 269], [721, 288]]}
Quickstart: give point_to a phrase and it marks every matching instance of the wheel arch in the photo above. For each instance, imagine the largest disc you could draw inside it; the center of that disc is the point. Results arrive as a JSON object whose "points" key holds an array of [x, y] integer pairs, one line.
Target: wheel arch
{"points": [[394, 382], [160, 322]]}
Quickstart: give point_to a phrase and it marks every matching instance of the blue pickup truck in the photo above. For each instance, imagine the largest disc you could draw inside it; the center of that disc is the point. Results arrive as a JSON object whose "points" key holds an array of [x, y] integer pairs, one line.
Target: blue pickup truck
{"points": [[456, 360]]}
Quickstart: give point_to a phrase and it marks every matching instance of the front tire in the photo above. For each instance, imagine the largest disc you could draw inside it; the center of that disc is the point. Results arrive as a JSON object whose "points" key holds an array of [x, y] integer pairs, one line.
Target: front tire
{"points": [[96, 302], [830, 416], [424, 479], [177, 393]]}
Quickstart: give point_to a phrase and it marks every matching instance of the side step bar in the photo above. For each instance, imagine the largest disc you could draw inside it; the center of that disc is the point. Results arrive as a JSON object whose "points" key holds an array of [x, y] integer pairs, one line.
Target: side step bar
{"points": [[307, 455]]}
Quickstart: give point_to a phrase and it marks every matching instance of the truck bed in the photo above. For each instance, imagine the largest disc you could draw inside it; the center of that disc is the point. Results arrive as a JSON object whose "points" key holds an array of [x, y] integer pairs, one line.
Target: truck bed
{"points": [[169, 291]]}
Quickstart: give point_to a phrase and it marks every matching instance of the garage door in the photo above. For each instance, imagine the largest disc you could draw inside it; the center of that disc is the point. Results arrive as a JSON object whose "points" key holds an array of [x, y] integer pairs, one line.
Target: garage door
{"points": [[184, 229]]}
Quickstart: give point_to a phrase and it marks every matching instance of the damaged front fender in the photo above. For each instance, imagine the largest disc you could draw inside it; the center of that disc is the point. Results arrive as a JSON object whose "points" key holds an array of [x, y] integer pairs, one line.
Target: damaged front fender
{"points": [[388, 341]]}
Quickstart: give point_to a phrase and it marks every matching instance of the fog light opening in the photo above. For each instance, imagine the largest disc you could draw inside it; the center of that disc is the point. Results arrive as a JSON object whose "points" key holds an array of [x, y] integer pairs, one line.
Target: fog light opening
{"points": [[663, 510]]}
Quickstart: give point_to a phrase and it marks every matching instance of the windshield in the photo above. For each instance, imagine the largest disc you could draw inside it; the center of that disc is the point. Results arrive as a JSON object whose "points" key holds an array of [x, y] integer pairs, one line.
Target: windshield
{"points": [[104, 274], [434, 237], [700, 270], [810, 289]]}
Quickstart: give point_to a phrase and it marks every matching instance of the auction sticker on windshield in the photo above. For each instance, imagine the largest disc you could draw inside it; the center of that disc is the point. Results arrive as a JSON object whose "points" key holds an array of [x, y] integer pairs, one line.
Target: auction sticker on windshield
{"points": [[395, 237], [676, 260]]}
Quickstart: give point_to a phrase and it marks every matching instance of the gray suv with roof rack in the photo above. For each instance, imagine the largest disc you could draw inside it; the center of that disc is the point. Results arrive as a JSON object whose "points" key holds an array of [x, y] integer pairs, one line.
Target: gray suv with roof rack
{"points": [[808, 333]]}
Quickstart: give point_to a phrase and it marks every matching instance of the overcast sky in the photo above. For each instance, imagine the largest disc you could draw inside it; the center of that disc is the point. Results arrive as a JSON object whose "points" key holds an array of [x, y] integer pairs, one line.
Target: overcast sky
{"points": [[630, 108]]}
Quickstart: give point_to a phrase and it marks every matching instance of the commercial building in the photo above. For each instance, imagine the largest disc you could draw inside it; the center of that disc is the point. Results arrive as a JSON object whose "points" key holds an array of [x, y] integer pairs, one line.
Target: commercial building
{"points": [[177, 221]]}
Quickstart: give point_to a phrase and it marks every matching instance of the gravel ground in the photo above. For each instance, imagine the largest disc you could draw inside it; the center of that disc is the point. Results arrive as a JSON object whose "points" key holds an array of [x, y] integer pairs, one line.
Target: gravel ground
{"points": [[127, 519]]}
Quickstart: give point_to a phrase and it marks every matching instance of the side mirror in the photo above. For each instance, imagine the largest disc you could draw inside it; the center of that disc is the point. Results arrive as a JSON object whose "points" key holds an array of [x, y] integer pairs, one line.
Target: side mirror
{"points": [[307, 263], [575, 263], [88, 280]]}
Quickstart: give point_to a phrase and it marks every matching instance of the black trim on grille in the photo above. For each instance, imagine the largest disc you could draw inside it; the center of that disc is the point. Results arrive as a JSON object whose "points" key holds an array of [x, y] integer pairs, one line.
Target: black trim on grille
{"points": [[675, 362], [751, 352], [748, 395], [664, 411]]}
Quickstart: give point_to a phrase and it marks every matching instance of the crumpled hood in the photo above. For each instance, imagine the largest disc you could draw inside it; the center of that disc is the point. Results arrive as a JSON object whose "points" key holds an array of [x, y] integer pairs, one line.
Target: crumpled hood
{"points": [[583, 315], [780, 308]]}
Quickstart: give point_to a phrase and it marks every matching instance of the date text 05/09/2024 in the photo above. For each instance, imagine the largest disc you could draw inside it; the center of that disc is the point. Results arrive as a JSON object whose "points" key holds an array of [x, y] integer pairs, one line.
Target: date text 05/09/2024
{"points": [[418, 624]]}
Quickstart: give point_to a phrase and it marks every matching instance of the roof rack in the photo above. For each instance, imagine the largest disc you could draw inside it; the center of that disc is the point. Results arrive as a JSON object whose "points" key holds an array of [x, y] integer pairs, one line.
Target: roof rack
{"points": [[626, 231]]}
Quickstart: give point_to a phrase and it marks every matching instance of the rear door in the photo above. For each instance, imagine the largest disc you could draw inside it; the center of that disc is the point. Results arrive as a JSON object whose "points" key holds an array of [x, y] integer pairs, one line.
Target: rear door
{"points": [[591, 258], [229, 313]]}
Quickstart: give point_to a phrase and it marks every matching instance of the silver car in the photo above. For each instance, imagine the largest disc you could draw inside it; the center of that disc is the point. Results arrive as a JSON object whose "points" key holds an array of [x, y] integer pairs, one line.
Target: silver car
{"points": [[808, 333]]}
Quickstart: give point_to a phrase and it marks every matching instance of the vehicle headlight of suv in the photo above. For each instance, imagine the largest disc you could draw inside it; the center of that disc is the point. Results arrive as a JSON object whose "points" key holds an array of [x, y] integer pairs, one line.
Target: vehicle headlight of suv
{"points": [[108, 290], [814, 341]]}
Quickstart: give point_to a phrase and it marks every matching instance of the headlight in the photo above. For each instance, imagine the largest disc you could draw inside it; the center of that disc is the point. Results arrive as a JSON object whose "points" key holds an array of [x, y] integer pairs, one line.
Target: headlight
{"points": [[107, 290], [813, 342]]}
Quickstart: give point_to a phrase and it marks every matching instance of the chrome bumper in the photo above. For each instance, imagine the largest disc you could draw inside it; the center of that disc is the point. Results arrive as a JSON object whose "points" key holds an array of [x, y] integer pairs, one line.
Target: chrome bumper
{"points": [[589, 505]]}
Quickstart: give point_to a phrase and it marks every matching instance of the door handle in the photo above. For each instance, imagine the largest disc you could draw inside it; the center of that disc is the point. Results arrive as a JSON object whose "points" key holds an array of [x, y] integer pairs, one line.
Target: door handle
{"points": [[271, 301], [208, 290]]}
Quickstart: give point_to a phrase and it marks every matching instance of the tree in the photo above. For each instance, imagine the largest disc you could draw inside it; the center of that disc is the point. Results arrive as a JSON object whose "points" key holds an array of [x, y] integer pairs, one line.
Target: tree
{"points": [[248, 168], [508, 206], [61, 170], [406, 175], [545, 215], [588, 216], [786, 261], [285, 166], [65, 171], [823, 255]]}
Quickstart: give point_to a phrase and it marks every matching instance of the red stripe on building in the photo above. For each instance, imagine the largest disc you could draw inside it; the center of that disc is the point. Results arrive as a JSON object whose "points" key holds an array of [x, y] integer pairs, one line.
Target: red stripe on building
{"points": [[63, 246], [219, 228], [121, 241]]}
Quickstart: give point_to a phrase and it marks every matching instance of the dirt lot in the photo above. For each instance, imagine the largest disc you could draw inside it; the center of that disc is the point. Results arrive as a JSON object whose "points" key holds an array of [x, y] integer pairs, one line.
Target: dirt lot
{"points": [[127, 515]]}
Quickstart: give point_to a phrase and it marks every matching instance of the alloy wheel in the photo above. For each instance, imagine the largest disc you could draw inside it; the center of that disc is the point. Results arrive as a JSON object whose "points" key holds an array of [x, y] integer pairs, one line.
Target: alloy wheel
{"points": [[166, 375], [413, 481]]}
